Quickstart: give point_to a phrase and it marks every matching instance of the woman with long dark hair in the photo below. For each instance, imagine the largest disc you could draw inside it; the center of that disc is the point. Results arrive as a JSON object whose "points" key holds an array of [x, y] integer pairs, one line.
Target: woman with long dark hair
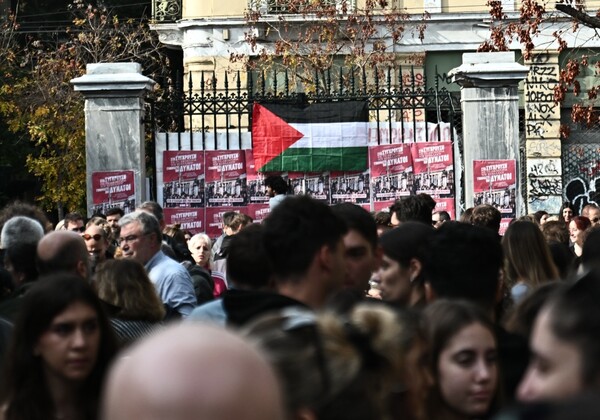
{"points": [[61, 347], [527, 259], [463, 360]]}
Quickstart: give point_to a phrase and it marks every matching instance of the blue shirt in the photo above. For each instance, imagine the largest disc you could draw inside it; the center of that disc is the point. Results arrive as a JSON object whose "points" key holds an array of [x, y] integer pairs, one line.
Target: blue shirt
{"points": [[275, 201], [173, 283], [212, 312]]}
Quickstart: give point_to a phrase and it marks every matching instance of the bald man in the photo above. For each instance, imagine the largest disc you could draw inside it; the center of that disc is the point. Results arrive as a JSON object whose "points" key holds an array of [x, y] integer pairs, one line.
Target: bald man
{"points": [[63, 250], [192, 372]]}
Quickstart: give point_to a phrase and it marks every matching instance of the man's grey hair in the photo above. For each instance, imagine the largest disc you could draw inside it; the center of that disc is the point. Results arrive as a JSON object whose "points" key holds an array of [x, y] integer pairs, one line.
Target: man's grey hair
{"points": [[154, 208], [147, 221], [20, 230]]}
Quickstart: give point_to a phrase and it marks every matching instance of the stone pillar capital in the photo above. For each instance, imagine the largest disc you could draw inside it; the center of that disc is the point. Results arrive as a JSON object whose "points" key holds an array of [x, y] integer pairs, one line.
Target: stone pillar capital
{"points": [[488, 70], [112, 80]]}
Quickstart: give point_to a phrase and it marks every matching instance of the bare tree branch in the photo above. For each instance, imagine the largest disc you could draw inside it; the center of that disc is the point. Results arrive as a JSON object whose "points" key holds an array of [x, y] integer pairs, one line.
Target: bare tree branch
{"points": [[579, 15]]}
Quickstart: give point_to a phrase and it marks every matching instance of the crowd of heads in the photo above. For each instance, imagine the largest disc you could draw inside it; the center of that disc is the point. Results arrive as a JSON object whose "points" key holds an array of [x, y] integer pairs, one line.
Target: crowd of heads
{"points": [[319, 312]]}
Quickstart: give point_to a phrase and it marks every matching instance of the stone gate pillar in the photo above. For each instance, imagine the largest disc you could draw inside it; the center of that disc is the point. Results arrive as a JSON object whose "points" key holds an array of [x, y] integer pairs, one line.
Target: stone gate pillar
{"points": [[114, 130], [490, 106]]}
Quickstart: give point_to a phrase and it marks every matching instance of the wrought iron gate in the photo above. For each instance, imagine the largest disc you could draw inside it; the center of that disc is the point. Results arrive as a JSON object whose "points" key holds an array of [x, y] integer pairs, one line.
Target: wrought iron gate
{"points": [[205, 105]]}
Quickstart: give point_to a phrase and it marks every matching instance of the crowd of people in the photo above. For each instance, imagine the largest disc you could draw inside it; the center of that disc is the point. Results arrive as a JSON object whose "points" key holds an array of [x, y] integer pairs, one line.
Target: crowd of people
{"points": [[319, 312]]}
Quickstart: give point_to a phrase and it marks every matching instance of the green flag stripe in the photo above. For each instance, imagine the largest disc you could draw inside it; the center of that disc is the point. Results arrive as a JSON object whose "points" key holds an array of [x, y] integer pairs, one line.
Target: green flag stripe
{"points": [[319, 160]]}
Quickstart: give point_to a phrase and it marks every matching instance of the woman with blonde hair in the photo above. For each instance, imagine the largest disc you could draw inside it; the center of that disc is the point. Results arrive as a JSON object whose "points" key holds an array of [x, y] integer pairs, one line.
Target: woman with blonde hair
{"points": [[200, 246], [124, 284], [331, 366], [527, 258]]}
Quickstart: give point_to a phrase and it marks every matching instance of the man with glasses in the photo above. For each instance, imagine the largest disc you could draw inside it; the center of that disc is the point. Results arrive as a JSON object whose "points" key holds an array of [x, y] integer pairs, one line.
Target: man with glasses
{"points": [[592, 212], [438, 218], [141, 239], [74, 222]]}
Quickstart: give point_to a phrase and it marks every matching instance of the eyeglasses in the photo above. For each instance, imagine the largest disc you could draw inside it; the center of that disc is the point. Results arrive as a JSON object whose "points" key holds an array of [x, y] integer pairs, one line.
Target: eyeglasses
{"points": [[130, 238], [595, 220], [78, 229], [95, 237]]}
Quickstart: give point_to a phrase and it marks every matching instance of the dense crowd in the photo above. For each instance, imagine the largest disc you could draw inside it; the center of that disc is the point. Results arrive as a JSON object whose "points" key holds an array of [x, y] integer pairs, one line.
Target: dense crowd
{"points": [[319, 312]]}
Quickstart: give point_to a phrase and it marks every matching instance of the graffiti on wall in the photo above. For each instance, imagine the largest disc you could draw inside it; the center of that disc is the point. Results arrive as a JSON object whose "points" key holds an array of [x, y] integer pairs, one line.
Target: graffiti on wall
{"points": [[542, 125], [582, 174]]}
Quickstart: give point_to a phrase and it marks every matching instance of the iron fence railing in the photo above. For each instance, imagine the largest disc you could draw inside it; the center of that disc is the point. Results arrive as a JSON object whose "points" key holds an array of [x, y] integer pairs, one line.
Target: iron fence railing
{"points": [[207, 104], [165, 11]]}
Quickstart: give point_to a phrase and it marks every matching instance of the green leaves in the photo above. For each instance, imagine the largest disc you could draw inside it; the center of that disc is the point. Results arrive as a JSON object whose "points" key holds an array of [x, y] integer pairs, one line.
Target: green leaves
{"points": [[38, 103]]}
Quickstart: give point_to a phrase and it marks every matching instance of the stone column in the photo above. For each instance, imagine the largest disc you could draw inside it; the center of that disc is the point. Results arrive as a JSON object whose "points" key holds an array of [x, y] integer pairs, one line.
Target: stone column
{"points": [[114, 130], [490, 106]]}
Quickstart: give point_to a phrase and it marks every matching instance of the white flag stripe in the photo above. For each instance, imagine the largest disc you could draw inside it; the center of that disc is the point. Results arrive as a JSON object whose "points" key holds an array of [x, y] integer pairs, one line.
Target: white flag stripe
{"points": [[347, 134]]}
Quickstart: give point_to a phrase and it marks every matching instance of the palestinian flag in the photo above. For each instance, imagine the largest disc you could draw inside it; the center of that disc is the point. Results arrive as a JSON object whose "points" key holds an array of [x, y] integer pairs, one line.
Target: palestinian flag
{"points": [[321, 137]]}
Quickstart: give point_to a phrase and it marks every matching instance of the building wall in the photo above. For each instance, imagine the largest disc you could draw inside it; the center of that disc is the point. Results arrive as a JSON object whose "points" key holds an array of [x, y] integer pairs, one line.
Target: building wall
{"points": [[211, 30], [213, 8], [193, 9]]}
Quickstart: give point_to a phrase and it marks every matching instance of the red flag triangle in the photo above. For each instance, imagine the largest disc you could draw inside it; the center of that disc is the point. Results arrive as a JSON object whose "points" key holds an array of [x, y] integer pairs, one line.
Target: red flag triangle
{"points": [[270, 135]]}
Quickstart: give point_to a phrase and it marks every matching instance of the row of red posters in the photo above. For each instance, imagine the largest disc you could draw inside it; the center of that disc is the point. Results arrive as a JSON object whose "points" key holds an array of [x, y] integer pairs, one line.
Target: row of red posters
{"points": [[202, 185]]}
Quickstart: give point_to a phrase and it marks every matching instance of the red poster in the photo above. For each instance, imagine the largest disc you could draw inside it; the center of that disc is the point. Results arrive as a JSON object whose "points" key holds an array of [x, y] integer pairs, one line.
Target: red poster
{"points": [[183, 176], [113, 189], [257, 192], [258, 212], [446, 204], [434, 171], [494, 183], [391, 172], [491, 175], [383, 205], [226, 178], [214, 220], [191, 219], [225, 164], [350, 187]]}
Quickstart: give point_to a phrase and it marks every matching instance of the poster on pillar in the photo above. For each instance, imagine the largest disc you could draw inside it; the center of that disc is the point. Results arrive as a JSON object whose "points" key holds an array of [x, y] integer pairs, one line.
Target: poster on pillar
{"points": [[226, 178], [183, 179], [494, 183], [113, 189], [191, 219], [392, 174]]}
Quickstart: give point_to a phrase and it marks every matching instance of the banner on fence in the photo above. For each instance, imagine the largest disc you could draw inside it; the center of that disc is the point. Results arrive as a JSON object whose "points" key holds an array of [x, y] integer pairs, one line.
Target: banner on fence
{"points": [[183, 179], [216, 181]]}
